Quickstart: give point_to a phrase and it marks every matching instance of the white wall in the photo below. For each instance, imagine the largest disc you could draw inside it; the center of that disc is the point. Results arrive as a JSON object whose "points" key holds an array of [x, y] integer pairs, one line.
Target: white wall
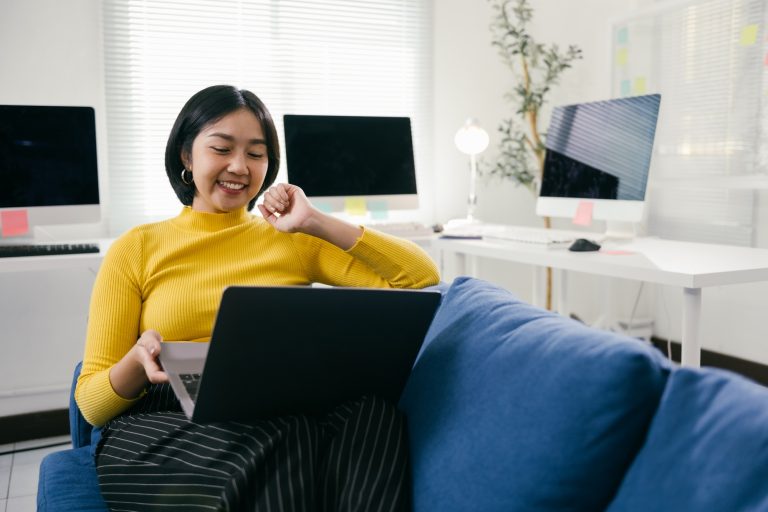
{"points": [[470, 80]]}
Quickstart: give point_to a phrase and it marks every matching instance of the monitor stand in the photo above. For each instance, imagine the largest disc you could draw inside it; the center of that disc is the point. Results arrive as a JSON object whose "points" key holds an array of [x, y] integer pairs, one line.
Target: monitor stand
{"points": [[33, 235], [465, 222], [25, 239], [620, 231]]}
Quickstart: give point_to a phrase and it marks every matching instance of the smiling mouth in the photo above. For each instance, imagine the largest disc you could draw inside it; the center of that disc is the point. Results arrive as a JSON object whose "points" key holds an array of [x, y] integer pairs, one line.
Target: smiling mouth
{"points": [[232, 186]]}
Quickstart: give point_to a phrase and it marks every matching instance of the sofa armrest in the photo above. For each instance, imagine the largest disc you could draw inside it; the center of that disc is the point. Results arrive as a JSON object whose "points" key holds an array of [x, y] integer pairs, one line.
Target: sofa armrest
{"points": [[68, 482]]}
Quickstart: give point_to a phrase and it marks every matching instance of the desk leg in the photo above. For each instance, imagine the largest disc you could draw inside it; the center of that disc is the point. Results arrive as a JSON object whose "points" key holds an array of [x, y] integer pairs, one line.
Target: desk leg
{"points": [[691, 342]]}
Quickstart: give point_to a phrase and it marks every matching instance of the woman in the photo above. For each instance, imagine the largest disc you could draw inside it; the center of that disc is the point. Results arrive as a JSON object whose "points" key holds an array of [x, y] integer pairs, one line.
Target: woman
{"points": [[164, 281]]}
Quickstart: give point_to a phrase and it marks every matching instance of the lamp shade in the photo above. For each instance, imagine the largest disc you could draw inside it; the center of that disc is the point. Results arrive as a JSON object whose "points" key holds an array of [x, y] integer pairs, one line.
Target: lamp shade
{"points": [[471, 139]]}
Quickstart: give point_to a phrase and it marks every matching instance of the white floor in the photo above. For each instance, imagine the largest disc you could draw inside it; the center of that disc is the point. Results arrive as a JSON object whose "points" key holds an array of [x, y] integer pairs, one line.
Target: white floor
{"points": [[19, 472]]}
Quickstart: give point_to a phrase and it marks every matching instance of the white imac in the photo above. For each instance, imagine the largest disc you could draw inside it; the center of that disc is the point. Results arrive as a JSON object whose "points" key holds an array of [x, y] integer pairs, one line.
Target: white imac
{"points": [[598, 156], [48, 168], [335, 159]]}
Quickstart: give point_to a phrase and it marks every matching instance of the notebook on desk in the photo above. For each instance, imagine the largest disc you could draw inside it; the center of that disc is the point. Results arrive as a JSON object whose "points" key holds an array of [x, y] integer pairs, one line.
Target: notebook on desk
{"points": [[288, 350]]}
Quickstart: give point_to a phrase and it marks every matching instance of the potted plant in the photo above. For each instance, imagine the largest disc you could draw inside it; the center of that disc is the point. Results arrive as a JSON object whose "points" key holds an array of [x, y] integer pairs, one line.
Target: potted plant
{"points": [[537, 68]]}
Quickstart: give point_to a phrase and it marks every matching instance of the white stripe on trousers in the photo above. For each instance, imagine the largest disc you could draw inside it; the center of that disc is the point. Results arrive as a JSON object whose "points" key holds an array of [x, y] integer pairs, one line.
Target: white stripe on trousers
{"points": [[353, 459]]}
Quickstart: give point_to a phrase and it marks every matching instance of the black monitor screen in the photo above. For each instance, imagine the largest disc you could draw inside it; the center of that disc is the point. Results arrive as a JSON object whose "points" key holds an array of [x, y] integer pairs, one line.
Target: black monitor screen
{"points": [[47, 156], [601, 150], [350, 156]]}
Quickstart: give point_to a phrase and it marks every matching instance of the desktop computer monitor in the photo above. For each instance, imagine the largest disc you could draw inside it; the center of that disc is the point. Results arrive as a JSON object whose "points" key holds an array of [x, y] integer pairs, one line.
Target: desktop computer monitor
{"points": [[48, 169], [599, 153], [338, 158]]}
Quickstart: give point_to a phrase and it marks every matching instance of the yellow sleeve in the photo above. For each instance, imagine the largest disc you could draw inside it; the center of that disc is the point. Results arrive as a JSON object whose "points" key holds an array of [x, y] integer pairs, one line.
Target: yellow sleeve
{"points": [[113, 328], [376, 260]]}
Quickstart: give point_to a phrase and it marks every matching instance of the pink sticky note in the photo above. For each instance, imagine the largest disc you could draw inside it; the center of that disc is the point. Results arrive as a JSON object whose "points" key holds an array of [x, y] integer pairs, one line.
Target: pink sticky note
{"points": [[583, 215], [14, 222]]}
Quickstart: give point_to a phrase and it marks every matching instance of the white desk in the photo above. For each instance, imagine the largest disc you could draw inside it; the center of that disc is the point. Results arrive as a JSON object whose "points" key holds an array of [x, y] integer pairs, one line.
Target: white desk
{"points": [[59, 261], [691, 266], [28, 387]]}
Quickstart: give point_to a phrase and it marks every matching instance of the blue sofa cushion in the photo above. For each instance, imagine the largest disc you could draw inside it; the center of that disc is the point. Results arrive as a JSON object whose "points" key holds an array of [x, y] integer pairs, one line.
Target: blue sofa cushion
{"points": [[513, 408], [68, 478], [68, 482], [707, 448]]}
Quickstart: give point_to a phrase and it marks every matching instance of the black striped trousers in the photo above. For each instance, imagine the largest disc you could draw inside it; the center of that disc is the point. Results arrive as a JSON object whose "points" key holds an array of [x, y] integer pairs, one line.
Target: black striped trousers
{"points": [[353, 459]]}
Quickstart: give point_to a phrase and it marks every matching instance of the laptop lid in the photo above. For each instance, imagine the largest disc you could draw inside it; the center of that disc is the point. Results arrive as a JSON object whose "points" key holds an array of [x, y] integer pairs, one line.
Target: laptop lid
{"points": [[277, 351]]}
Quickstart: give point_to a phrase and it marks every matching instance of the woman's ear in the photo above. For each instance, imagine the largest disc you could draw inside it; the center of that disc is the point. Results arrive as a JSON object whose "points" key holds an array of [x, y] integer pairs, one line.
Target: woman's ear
{"points": [[186, 160]]}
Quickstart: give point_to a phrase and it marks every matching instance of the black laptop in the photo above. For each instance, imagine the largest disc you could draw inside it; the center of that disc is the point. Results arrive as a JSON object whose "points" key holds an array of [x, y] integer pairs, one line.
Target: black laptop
{"points": [[299, 350]]}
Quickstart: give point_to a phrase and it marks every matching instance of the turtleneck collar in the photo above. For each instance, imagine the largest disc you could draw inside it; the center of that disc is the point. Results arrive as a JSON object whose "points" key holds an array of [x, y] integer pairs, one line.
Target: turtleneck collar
{"points": [[193, 220]]}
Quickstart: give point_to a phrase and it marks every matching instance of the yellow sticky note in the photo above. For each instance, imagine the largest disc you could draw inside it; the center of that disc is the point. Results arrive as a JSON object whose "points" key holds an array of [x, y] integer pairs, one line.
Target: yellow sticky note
{"points": [[639, 85], [355, 206], [749, 35], [622, 56]]}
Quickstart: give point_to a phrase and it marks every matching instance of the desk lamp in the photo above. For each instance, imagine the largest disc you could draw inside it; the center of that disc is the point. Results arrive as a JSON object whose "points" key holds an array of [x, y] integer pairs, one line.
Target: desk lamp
{"points": [[471, 140]]}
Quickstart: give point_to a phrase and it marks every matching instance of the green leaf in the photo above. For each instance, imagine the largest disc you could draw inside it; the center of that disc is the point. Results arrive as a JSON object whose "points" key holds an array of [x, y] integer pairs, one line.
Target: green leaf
{"points": [[509, 35]]}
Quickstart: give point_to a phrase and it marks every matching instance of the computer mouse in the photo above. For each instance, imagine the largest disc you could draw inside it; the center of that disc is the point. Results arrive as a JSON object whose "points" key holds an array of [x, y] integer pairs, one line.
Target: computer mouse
{"points": [[583, 245]]}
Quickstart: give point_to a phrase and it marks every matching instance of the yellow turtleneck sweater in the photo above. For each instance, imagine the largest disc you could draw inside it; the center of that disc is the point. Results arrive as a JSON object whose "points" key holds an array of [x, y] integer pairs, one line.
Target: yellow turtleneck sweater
{"points": [[169, 276]]}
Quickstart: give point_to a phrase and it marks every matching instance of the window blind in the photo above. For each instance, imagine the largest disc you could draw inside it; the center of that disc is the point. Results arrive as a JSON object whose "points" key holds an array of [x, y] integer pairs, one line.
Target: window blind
{"points": [[706, 58], [344, 57]]}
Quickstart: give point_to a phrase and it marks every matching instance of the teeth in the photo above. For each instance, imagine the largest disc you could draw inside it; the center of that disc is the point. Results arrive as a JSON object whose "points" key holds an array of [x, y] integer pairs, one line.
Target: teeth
{"points": [[232, 186]]}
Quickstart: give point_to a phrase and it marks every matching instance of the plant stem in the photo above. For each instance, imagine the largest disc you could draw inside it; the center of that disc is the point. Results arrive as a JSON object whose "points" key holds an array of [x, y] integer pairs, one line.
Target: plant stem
{"points": [[549, 288], [537, 151], [547, 225], [533, 119], [526, 74]]}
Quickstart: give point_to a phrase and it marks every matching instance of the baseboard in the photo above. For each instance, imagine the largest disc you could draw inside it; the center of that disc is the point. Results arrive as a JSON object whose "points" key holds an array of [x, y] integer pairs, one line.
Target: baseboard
{"points": [[34, 425], [755, 371]]}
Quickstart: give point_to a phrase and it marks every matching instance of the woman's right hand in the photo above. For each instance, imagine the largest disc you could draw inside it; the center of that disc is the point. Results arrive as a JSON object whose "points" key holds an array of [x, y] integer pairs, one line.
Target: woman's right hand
{"points": [[140, 366], [147, 350]]}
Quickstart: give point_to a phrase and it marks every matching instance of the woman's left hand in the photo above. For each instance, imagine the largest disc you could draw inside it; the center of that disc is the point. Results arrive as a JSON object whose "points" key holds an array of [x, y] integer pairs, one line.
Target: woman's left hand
{"points": [[287, 208]]}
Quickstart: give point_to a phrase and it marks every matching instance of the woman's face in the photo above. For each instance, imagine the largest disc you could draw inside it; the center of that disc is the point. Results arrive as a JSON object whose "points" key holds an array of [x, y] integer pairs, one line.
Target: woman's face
{"points": [[228, 163]]}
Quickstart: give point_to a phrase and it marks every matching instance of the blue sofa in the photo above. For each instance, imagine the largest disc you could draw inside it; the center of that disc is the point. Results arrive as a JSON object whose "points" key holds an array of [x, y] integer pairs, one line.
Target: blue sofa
{"points": [[67, 480], [512, 408]]}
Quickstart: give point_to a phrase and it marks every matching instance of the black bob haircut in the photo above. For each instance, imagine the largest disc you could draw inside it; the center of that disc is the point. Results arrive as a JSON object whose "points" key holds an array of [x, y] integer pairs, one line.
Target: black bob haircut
{"points": [[204, 108]]}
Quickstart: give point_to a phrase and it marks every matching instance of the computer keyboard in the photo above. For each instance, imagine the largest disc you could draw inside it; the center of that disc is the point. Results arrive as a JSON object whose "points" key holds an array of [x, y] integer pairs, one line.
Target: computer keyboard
{"points": [[403, 229], [191, 383], [520, 234], [11, 251]]}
